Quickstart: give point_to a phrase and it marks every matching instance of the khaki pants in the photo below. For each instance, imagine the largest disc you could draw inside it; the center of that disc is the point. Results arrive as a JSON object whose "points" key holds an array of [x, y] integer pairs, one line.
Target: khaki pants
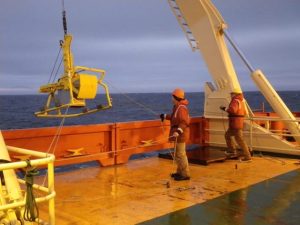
{"points": [[181, 160], [238, 135]]}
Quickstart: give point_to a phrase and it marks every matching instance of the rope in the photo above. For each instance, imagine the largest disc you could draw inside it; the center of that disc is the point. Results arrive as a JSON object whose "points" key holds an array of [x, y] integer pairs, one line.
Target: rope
{"points": [[132, 100], [55, 66], [137, 103], [31, 211], [54, 142], [57, 134], [57, 69]]}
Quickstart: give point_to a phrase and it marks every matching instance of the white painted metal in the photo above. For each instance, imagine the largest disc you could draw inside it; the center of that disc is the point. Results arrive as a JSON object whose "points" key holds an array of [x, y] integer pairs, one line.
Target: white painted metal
{"points": [[183, 24], [257, 137], [276, 103], [207, 25], [208, 28]]}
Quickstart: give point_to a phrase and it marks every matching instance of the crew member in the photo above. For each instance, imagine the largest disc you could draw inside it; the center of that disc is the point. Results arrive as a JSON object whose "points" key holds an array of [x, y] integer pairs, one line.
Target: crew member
{"points": [[236, 113], [179, 133]]}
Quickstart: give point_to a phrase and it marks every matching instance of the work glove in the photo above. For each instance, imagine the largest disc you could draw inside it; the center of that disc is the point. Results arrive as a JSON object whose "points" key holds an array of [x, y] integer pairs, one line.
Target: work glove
{"points": [[223, 108], [162, 117], [175, 134]]}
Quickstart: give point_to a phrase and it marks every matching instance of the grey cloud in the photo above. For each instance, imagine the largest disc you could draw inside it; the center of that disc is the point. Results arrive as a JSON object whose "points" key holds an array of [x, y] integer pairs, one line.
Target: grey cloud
{"points": [[140, 44]]}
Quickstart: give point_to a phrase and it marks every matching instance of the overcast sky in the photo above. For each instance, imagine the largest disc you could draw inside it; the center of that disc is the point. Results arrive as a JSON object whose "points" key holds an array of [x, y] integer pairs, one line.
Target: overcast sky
{"points": [[140, 44]]}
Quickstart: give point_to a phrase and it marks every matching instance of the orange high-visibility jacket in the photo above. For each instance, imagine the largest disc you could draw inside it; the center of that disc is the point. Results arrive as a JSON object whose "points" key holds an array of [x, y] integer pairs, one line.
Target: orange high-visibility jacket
{"points": [[180, 121], [236, 112]]}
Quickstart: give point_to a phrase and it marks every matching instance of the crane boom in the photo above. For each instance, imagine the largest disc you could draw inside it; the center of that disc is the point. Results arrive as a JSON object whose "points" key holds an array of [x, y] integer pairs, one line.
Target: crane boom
{"points": [[207, 25], [201, 20]]}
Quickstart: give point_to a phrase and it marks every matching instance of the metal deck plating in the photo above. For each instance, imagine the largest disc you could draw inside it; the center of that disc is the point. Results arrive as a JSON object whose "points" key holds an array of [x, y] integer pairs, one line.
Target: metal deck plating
{"points": [[137, 191]]}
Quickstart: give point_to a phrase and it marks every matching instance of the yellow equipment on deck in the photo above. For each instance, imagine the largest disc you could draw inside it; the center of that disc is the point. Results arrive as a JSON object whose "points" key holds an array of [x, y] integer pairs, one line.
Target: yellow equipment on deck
{"points": [[74, 87]]}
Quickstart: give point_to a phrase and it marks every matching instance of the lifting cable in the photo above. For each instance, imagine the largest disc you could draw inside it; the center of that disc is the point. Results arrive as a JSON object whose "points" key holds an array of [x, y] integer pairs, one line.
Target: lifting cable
{"points": [[64, 17], [61, 60], [54, 66], [59, 52]]}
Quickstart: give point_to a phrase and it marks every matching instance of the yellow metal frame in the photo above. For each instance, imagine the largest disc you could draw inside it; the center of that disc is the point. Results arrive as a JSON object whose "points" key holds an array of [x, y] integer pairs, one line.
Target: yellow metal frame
{"points": [[66, 83], [42, 159]]}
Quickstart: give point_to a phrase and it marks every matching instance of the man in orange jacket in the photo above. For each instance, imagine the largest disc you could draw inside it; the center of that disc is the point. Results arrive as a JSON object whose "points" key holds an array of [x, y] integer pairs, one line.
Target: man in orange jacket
{"points": [[179, 133], [236, 113]]}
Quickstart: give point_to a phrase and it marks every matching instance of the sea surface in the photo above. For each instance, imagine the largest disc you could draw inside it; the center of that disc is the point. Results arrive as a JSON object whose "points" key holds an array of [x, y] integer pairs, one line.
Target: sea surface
{"points": [[17, 111]]}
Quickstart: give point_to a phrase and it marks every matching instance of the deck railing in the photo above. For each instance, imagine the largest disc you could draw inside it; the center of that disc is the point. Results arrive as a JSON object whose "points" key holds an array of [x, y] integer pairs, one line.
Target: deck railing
{"points": [[274, 126], [42, 159]]}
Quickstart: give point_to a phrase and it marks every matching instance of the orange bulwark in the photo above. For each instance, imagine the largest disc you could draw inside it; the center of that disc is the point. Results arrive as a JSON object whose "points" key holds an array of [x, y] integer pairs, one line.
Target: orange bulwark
{"points": [[110, 144], [114, 143]]}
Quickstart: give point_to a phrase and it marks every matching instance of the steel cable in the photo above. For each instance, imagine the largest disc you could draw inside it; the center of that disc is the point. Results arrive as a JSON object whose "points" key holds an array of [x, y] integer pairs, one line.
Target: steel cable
{"points": [[54, 66]]}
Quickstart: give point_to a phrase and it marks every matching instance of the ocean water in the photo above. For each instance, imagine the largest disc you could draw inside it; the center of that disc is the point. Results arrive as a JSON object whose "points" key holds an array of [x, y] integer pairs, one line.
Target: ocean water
{"points": [[17, 112]]}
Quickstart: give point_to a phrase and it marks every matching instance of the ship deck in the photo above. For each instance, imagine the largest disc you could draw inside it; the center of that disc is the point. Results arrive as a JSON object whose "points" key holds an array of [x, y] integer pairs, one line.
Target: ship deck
{"points": [[142, 190]]}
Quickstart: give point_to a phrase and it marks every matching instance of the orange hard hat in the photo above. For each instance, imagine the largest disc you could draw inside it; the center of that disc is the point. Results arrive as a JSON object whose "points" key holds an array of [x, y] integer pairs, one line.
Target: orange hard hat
{"points": [[179, 93]]}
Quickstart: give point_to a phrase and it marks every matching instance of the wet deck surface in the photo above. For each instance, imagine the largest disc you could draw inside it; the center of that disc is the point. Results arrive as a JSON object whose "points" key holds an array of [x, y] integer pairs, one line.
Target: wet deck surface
{"points": [[271, 202], [201, 155], [137, 192]]}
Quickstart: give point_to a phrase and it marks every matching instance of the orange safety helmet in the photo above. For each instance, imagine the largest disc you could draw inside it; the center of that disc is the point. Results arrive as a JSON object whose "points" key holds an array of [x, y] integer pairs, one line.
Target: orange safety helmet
{"points": [[179, 93]]}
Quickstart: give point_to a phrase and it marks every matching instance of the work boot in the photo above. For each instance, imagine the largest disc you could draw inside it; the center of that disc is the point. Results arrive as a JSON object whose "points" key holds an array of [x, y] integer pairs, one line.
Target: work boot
{"points": [[180, 177], [174, 174], [245, 160], [230, 154]]}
